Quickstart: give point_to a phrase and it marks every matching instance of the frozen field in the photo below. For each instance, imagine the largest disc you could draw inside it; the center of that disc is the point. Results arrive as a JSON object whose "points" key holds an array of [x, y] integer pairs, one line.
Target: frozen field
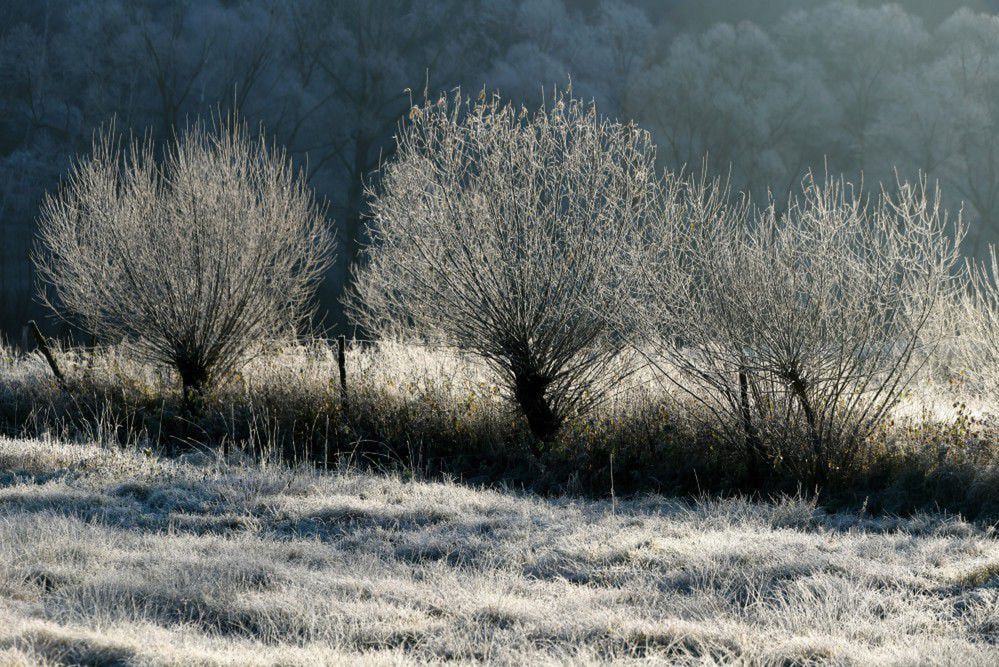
{"points": [[111, 557]]}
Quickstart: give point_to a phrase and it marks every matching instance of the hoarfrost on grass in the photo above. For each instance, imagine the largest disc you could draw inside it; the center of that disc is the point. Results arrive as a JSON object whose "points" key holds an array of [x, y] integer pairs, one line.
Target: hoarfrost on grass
{"points": [[109, 555]]}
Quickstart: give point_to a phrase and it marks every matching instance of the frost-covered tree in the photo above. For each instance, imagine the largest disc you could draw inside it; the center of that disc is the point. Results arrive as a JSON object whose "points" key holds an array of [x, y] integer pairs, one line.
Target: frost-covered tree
{"points": [[193, 260], [803, 325], [552, 42], [766, 88], [500, 231]]}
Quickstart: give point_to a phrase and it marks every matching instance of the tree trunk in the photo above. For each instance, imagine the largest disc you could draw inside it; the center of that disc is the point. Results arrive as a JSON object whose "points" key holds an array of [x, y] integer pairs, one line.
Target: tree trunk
{"points": [[193, 383], [819, 465], [355, 204], [755, 455], [529, 391]]}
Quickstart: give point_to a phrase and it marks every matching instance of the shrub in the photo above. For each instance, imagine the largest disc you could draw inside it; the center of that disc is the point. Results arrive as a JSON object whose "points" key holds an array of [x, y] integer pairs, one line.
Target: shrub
{"points": [[802, 326], [190, 260], [501, 232]]}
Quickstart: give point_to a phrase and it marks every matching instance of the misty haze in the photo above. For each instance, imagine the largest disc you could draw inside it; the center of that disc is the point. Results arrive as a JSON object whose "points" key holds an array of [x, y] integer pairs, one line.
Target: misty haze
{"points": [[499, 332]]}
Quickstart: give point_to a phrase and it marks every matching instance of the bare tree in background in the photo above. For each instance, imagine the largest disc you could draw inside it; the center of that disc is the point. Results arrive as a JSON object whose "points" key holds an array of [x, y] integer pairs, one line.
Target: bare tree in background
{"points": [[971, 58], [798, 327], [363, 56], [500, 231], [731, 94], [193, 261]]}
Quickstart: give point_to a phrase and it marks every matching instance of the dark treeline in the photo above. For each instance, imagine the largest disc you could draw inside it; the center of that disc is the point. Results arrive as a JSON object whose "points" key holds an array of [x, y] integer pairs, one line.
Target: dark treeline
{"points": [[768, 89]]}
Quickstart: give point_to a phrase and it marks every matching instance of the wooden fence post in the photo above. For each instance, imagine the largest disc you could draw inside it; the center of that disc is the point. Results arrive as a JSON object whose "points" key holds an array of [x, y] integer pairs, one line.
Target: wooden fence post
{"points": [[43, 346], [341, 359]]}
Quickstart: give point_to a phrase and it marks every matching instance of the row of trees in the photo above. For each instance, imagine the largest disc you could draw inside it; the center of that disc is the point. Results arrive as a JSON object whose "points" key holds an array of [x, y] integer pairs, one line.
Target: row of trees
{"points": [[768, 88], [547, 243]]}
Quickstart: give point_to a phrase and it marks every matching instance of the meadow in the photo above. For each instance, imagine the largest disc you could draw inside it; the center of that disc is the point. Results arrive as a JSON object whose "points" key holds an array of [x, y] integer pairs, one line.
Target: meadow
{"points": [[119, 556]]}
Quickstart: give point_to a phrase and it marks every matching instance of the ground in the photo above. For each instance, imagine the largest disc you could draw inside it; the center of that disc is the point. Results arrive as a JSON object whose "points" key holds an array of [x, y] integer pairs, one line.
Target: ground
{"points": [[120, 557]]}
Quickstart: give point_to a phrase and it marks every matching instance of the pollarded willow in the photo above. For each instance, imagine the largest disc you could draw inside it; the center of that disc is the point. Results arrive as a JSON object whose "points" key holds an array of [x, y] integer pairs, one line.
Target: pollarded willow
{"points": [[799, 328], [191, 259], [501, 231]]}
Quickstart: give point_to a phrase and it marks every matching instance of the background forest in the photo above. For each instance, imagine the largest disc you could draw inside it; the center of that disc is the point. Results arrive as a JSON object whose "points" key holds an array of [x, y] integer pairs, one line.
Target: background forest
{"points": [[767, 89]]}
